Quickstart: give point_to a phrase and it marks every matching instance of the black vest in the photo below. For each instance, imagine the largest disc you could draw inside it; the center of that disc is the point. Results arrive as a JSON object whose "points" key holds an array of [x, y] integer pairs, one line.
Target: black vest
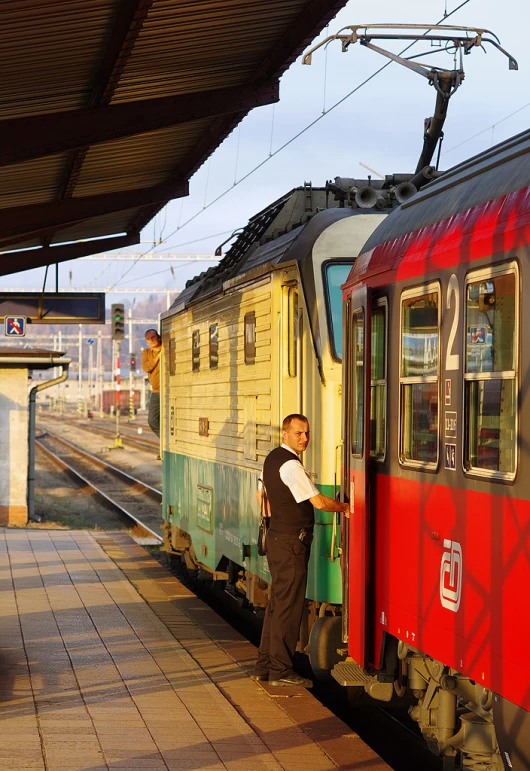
{"points": [[287, 516]]}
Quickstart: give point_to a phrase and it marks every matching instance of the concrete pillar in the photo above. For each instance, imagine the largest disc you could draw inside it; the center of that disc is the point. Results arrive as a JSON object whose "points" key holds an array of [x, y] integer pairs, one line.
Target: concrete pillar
{"points": [[13, 446]]}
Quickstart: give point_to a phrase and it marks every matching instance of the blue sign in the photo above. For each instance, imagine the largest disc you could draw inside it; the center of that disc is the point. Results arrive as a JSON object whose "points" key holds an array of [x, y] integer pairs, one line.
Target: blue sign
{"points": [[15, 326], [477, 335], [90, 341]]}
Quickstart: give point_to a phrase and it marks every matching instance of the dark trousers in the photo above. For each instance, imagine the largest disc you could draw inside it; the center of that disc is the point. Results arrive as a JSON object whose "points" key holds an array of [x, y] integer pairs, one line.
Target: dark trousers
{"points": [[288, 557], [153, 418]]}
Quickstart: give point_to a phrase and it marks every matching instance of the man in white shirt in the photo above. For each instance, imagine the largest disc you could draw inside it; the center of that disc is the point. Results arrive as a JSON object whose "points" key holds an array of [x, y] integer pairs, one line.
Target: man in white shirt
{"points": [[292, 496]]}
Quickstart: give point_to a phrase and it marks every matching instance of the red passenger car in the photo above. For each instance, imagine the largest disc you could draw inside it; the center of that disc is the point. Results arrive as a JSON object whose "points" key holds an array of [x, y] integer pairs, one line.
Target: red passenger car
{"points": [[436, 548]]}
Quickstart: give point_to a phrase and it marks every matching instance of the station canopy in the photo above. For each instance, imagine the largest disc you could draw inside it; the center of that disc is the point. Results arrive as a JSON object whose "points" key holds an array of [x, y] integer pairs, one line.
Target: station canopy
{"points": [[108, 107]]}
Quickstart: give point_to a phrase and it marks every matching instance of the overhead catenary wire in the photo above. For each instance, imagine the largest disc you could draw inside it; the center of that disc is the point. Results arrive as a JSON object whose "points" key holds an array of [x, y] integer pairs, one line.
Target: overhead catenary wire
{"points": [[289, 141], [171, 269], [203, 238], [484, 131], [325, 76]]}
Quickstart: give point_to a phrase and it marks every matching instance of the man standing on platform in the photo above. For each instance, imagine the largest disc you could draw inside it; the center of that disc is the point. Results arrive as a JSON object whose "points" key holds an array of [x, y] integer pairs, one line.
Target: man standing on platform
{"points": [[151, 365], [291, 496]]}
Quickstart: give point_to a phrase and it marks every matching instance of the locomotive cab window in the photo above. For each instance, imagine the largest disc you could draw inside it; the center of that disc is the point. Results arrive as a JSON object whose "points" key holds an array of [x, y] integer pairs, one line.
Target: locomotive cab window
{"points": [[419, 376], [335, 275], [491, 329], [378, 387], [290, 329]]}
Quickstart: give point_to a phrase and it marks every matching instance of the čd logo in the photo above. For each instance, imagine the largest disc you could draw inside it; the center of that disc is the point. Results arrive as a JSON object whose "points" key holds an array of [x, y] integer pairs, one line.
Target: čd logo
{"points": [[451, 576]]}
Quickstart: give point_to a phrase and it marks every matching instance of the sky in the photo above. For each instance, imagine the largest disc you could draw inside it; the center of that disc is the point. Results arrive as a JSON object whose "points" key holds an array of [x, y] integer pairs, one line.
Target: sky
{"points": [[381, 125]]}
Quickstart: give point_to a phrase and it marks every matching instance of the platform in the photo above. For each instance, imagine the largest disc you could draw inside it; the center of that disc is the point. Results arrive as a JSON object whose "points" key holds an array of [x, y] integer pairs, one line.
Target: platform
{"points": [[108, 662]]}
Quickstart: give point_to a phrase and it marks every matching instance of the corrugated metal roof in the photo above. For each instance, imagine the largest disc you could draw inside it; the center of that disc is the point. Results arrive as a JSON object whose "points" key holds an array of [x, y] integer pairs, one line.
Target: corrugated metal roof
{"points": [[65, 57]]}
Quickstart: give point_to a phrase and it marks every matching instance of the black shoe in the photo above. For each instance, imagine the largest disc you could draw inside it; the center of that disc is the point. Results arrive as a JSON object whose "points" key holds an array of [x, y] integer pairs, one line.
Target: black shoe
{"points": [[259, 677], [291, 680]]}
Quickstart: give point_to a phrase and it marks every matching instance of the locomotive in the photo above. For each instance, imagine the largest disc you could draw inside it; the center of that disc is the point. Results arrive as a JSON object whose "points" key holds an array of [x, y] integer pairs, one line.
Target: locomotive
{"points": [[436, 545], [251, 340]]}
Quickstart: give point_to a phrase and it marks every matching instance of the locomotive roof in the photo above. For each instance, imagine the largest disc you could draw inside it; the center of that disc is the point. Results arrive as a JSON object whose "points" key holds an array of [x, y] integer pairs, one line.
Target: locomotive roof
{"points": [[298, 217], [498, 171]]}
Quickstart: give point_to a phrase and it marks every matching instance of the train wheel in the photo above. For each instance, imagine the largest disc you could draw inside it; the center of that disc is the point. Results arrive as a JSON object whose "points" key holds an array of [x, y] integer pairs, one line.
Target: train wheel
{"points": [[324, 640]]}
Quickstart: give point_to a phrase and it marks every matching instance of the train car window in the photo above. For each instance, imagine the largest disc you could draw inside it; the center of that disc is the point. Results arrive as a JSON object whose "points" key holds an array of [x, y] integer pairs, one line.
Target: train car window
{"points": [[213, 346], [335, 275], [195, 350], [357, 383], [378, 382], [419, 376], [490, 441], [250, 338]]}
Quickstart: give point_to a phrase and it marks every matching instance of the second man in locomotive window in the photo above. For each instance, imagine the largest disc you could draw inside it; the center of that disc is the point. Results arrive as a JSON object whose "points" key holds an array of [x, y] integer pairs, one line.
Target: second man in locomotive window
{"points": [[151, 365]]}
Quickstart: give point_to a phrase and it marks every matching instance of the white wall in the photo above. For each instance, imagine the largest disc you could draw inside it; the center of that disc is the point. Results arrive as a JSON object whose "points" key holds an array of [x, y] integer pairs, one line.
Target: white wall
{"points": [[13, 445]]}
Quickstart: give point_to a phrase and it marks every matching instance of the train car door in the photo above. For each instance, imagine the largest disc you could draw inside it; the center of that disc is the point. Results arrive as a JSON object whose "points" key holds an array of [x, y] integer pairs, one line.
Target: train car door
{"points": [[358, 463], [290, 374]]}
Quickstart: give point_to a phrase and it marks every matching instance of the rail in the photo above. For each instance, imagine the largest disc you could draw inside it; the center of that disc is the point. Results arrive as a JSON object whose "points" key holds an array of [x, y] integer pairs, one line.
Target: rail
{"points": [[152, 492]]}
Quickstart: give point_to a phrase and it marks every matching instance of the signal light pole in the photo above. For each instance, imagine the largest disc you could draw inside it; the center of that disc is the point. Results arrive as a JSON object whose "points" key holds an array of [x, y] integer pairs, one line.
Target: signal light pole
{"points": [[118, 333], [80, 373], [132, 368]]}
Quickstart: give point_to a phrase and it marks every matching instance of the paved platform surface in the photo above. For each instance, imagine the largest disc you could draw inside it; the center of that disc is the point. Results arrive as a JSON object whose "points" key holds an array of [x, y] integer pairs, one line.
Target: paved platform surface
{"points": [[108, 662]]}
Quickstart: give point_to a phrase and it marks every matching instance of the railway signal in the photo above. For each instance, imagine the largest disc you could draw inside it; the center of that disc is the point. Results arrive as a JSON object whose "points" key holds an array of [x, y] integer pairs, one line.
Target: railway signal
{"points": [[118, 333], [118, 321], [132, 363]]}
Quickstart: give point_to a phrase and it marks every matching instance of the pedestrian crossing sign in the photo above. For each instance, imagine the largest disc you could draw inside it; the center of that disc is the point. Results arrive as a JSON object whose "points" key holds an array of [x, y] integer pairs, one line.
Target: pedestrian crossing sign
{"points": [[15, 326]]}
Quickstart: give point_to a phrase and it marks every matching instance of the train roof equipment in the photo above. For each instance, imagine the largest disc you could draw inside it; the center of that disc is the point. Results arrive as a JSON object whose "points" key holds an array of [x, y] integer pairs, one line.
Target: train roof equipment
{"points": [[459, 41], [271, 234], [498, 172]]}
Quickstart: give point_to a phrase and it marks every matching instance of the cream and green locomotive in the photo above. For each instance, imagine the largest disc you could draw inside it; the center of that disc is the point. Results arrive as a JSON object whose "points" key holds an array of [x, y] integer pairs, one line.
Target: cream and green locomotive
{"points": [[246, 343]]}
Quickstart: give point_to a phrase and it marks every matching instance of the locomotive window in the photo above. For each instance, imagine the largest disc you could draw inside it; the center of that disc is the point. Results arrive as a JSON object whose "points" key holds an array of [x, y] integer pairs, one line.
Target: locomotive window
{"points": [[250, 337], [172, 356], [378, 383], [420, 328], [290, 328], [491, 372], [195, 351], [357, 381], [214, 346], [335, 276]]}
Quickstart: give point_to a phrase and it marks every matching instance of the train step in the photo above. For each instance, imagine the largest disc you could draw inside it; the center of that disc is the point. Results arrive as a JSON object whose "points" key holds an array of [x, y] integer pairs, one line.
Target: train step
{"points": [[350, 673]]}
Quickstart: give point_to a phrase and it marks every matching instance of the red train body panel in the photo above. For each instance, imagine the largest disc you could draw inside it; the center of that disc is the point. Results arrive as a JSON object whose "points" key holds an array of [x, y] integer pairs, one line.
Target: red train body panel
{"points": [[437, 542], [484, 637]]}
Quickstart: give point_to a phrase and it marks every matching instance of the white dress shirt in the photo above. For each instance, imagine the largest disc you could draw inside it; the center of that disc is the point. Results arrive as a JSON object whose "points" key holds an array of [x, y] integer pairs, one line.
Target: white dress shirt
{"points": [[296, 477]]}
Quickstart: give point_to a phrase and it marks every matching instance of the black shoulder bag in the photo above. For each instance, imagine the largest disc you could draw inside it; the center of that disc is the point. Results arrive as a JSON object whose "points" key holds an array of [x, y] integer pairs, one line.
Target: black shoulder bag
{"points": [[265, 518]]}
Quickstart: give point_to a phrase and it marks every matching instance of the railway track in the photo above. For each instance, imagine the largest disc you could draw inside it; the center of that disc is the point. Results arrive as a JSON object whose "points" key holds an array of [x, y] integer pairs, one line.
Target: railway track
{"points": [[126, 433], [136, 502]]}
